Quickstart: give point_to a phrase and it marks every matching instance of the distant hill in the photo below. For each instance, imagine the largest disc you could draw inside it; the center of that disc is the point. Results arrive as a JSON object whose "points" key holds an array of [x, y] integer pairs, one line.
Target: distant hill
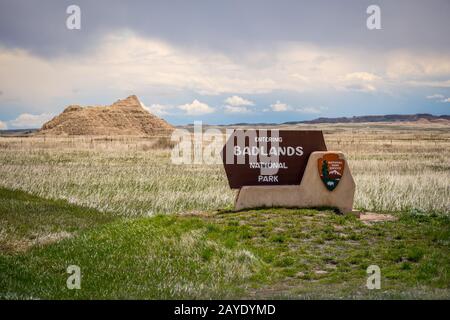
{"points": [[124, 117], [418, 118], [381, 118], [17, 132], [128, 117]]}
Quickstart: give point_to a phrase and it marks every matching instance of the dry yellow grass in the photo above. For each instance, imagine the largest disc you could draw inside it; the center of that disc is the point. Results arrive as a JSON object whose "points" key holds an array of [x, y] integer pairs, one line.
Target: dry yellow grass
{"points": [[396, 167]]}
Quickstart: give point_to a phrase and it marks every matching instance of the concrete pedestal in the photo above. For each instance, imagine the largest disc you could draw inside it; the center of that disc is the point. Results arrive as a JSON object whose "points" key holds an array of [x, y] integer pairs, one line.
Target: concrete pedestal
{"points": [[310, 193]]}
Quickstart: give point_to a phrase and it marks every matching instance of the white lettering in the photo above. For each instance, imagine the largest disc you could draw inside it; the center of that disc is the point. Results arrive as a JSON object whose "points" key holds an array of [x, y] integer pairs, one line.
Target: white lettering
{"points": [[73, 22], [374, 20]]}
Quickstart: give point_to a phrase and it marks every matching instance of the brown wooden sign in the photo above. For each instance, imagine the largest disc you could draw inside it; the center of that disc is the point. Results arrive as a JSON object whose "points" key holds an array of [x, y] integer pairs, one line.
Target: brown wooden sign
{"points": [[269, 157], [331, 169]]}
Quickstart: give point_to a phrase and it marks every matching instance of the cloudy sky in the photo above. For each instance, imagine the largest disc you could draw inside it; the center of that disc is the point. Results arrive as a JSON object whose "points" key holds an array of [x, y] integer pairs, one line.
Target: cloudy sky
{"points": [[224, 61]]}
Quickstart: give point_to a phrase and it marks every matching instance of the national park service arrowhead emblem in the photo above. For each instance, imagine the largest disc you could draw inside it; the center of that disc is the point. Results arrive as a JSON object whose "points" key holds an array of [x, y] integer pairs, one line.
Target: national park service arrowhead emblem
{"points": [[331, 169]]}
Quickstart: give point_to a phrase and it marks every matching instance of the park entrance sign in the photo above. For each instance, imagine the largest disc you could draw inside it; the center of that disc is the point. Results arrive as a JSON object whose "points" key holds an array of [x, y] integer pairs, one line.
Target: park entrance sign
{"points": [[281, 168], [269, 157]]}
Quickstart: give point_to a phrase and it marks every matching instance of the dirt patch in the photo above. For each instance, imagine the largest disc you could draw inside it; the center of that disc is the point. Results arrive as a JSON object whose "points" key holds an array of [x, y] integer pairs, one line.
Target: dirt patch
{"points": [[15, 245], [370, 217], [195, 213], [51, 238]]}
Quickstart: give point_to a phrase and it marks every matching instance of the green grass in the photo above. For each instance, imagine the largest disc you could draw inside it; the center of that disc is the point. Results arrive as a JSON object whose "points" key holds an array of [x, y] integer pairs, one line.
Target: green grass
{"points": [[267, 253], [27, 220]]}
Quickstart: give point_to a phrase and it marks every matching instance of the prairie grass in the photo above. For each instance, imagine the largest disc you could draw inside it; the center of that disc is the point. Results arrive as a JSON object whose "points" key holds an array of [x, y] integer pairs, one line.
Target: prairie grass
{"points": [[396, 168]]}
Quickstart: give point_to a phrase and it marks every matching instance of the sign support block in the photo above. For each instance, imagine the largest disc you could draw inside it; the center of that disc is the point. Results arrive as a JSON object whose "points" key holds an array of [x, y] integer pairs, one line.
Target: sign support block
{"points": [[312, 191]]}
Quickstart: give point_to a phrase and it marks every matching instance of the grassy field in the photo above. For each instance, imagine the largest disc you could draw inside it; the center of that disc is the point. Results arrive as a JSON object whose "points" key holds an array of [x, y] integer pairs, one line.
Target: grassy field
{"points": [[396, 168], [271, 253], [142, 227]]}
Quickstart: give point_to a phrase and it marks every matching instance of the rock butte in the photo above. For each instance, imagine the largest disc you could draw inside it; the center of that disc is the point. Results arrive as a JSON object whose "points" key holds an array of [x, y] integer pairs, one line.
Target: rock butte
{"points": [[124, 117]]}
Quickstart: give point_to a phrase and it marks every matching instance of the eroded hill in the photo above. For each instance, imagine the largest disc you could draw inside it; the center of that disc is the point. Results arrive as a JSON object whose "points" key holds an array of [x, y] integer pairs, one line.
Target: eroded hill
{"points": [[124, 117]]}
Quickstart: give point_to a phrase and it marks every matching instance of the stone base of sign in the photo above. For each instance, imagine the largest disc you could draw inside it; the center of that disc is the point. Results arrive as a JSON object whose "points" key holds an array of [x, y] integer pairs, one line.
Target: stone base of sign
{"points": [[356, 213], [310, 193]]}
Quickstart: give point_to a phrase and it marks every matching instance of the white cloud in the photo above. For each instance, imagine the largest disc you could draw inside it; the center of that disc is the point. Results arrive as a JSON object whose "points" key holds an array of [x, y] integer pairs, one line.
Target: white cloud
{"points": [[416, 66], [436, 96], [429, 83], [238, 101], [360, 81], [3, 125], [282, 107], [236, 104], [279, 107], [196, 108], [311, 110], [236, 109], [158, 109], [30, 121], [149, 63], [363, 87], [364, 76]]}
